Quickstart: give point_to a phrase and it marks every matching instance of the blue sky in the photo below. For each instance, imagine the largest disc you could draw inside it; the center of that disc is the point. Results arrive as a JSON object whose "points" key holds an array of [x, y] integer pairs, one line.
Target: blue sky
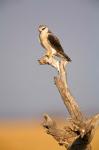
{"points": [[26, 88]]}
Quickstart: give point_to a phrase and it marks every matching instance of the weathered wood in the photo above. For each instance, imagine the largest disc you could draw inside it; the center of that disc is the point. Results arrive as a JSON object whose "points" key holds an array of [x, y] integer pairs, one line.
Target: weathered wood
{"points": [[78, 131], [68, 100], [50, 61]]}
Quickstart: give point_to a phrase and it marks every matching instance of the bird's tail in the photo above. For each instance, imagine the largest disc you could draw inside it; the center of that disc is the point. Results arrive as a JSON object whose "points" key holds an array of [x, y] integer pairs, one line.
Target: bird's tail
{"points": [[67, 58]]}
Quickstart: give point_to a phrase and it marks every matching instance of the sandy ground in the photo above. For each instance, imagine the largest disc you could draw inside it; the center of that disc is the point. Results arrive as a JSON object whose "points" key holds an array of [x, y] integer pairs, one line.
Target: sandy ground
{"points": [[29, 135]]}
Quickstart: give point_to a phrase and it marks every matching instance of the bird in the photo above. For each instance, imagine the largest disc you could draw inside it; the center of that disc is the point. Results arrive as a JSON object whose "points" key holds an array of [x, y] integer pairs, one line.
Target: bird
{"points": [[51, 44]]}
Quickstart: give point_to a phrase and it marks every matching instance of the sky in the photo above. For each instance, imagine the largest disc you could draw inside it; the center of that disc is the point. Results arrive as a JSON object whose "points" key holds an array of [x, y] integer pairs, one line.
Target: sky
{"points": [[26, 88]]}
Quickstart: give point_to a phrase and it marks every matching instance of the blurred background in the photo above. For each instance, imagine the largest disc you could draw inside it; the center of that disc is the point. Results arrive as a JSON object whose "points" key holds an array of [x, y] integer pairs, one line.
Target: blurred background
{"points": [[26, 88]]}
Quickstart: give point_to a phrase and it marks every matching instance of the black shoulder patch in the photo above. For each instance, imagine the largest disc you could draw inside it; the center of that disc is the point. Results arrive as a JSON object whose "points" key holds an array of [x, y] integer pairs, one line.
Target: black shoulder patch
{"points": [[54, 41]]}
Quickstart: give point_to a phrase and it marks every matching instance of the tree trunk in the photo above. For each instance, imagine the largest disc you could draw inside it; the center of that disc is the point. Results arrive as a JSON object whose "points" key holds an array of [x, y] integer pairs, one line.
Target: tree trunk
{"points": [[78, 131]]}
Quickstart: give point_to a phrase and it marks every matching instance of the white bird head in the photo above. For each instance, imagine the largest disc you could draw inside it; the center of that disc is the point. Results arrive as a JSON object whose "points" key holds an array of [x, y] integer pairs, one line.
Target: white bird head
{"points": [[43, 28]]}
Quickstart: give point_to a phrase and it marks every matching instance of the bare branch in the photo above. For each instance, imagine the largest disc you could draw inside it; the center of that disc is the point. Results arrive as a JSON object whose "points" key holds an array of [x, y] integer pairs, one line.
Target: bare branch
{"points": [[50, 61], [78, 131], [61, 83], [63, 136]]}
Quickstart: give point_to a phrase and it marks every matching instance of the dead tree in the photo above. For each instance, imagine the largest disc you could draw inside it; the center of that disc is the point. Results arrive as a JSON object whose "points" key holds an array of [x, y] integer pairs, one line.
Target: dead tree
{"points": [[78, 130]]}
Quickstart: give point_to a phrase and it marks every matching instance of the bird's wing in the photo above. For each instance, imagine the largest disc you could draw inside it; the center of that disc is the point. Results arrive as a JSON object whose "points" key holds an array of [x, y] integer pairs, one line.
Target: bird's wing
{"points": [[55, 43]]}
